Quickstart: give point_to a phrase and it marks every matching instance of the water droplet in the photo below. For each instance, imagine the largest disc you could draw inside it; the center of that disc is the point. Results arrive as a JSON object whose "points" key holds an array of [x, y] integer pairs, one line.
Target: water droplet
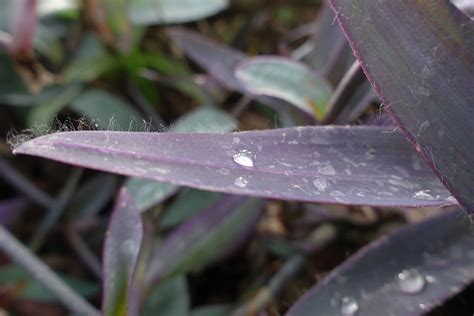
{"points": [[411, 281], [241, 182], [430, 279], [321, 184], [223, 171], [451, 199], [424, 195], [349, 306], [327, 170], [244, 158]]}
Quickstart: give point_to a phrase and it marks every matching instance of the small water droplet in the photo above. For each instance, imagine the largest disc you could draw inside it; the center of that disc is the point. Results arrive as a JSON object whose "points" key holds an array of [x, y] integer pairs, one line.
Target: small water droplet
{"points": [[327, 170], [451, 199], [241, 182], [411, 281], [424, 195], [223, 171], [349, 306], [321, 184], [244, 158], [430, 279]]}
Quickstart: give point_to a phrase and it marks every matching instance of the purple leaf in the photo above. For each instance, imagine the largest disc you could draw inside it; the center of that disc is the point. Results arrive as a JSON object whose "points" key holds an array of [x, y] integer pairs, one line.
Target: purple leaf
{"points": [[219, 61], [11, 209], [348, 165], [419, 56], [327, 51], [207, 236], [122, 245], [407, 273], [285, 79]]}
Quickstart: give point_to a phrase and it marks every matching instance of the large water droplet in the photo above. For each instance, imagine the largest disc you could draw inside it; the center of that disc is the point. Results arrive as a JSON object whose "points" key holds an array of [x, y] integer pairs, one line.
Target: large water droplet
{"points": [[411, 281], [349, 306], [244, 158], [241, 182]]}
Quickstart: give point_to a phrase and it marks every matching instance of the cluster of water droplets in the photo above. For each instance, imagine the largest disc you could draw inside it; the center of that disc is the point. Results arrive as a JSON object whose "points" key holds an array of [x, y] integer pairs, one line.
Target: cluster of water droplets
{"points": [[244, 158], [349, 306], [410, 281]]}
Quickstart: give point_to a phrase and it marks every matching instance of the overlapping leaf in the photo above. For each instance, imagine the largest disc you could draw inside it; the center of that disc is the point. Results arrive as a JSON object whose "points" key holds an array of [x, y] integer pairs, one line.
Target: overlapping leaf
{"points": [[122, 245], [349, 165], [207, 236], [150, 12], [286, 79], [419, 56], [408, 273]]}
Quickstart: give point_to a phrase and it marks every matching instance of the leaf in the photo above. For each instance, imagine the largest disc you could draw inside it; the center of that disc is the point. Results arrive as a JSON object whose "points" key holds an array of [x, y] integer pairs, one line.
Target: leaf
{"points": [[326, 50], [466, 6], [51, 101], [419, 56], [220, 62], [92, 196], [151, 12], [10, 81], [122, 245], [211, 310], [148, 193], [21, 284], [347, 165], [46, 7], [168, 298], [106, 110], [90, 62], [207, 236], [186, 204], [286, 79], [406, 273]]}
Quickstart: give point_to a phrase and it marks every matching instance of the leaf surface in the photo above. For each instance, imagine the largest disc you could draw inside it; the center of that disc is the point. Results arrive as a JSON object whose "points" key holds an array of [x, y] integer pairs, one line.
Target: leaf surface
{"points": [[285, 79], [151, 12], [206, 237], [419, 56], [122, 245], [348, 165], [406, 273]]}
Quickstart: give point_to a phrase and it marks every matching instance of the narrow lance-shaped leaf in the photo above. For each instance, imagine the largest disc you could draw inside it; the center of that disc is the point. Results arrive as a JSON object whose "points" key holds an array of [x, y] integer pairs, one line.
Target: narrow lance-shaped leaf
{"points": [[407, 273], [349, 165], [150, 12], [419, 56], [122, 245], [285, 79], [207, 236]]}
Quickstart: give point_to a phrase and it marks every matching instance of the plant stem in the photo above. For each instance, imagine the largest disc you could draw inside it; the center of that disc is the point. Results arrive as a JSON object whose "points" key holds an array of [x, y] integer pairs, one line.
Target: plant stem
{"points": [[55, 212], [14, 178], [353, 78], [44, 275]]}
